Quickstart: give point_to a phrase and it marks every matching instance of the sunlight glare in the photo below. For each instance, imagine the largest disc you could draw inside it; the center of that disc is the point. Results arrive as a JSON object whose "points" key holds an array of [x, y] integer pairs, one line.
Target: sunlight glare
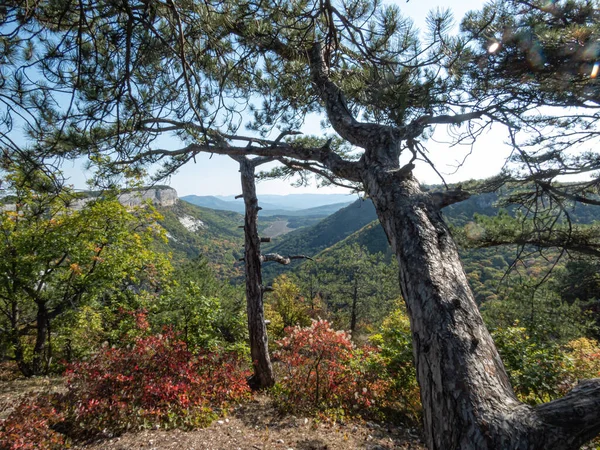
{"points": [[595, 69], [493, 48]]}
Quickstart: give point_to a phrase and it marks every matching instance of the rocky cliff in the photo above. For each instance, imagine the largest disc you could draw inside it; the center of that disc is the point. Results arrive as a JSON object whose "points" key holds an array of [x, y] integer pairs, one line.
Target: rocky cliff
{"points": [[158, 196]]}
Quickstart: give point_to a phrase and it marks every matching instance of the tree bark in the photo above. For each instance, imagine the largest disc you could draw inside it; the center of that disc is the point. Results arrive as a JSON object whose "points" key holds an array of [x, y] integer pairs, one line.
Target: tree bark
{"points": [[259, 349], [354, 305], [39, 350], [15, 338], [468, 402]]}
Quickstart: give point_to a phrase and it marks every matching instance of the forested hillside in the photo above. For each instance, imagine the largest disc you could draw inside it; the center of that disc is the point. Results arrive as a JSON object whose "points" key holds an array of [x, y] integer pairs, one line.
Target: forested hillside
{"points": [[491, 271], [193, 231]]}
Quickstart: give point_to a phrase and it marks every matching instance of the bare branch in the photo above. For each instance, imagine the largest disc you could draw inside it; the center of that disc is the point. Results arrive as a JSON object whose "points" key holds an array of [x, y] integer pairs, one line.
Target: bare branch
{"points": [[454, 119], [324, 155], [449, 197], [285, 260]]}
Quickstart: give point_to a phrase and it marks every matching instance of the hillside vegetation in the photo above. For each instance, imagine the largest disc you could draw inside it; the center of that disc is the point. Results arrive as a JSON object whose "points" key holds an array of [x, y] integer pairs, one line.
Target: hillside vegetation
{"points": [[166, 326]]}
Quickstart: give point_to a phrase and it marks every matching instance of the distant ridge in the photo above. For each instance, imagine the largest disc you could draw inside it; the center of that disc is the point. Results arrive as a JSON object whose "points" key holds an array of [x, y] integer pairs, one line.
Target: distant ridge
{"points": [[277, 205], [328, 231]]}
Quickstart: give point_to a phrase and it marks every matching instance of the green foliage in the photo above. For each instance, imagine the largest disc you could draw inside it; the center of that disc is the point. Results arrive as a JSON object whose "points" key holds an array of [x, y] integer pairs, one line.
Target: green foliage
{"points": [[55, 258], [213, 235], [357, 288], [541, 371], [535, 368], [579, 280], [206, 312], [398, 369], [584, 354], [540, 311], [79, 332], [286, 307]]}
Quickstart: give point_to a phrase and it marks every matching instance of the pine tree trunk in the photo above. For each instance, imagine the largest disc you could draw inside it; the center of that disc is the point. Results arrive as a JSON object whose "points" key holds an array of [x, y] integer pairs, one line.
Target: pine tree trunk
{"points": [[259, 348], [468, 402]]}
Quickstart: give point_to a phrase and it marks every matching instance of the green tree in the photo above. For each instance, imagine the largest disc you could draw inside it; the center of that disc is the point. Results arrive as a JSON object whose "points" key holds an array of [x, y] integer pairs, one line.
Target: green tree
{"points": [[206, 312], [358, 286], [540, 311], [286, 307], [395, 341], [55, 258]]}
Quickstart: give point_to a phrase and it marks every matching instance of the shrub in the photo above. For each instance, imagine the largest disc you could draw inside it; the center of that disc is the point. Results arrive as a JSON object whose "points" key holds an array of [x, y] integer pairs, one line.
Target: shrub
{"points": [[156, 382], [29, 426], [584, 354], [537, 369], [324, 373], [286, 307], [397, 366]]}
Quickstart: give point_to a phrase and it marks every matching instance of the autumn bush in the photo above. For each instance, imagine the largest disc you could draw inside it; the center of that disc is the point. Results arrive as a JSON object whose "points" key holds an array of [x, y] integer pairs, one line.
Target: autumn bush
{"points": [[584, 355], [322, 372], [286, 307], [394, 340], [30, 425], [157, 382], [541, 371]]}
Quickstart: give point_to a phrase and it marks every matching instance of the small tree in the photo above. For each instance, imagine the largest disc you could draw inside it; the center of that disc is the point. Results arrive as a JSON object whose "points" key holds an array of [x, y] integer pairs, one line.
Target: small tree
{"points": [[54, 259], [358, 285]]}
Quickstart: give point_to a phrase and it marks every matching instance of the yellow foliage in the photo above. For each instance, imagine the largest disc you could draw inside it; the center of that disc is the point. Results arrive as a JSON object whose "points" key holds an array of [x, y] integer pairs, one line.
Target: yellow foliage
{"points": [[585, 356]]}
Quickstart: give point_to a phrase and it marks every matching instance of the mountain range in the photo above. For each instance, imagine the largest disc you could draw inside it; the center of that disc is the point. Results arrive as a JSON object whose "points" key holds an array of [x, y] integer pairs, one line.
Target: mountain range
{"points": [[217, 234], [291, 205]]}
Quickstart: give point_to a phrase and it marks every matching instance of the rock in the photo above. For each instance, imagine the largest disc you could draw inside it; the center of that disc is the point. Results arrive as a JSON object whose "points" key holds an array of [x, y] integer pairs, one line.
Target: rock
{"points": [[158, 196]]}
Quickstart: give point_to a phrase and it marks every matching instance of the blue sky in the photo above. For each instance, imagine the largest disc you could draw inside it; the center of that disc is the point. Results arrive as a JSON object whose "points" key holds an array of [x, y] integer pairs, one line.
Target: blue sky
{"points": [[219, 175]]}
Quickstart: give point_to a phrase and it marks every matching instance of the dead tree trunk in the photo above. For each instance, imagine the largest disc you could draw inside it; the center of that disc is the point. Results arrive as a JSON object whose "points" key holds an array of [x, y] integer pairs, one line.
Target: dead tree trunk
{"points": [[259, 349], [353, 312]]}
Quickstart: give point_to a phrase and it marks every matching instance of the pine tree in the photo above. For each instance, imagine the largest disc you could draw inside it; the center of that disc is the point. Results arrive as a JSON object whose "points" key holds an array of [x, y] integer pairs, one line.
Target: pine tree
{"points": [[136, 70]]}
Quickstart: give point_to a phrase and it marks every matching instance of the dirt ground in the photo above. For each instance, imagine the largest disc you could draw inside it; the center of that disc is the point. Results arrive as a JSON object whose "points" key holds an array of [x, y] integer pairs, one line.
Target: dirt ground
{"points": [[258, 426], [13, 387], [255, 425]]}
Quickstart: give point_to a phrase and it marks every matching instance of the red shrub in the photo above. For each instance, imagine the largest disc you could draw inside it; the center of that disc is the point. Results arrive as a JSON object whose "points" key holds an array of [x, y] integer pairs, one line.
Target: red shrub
{"points": [[323, 371], [156, 382], [28, 427]]}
